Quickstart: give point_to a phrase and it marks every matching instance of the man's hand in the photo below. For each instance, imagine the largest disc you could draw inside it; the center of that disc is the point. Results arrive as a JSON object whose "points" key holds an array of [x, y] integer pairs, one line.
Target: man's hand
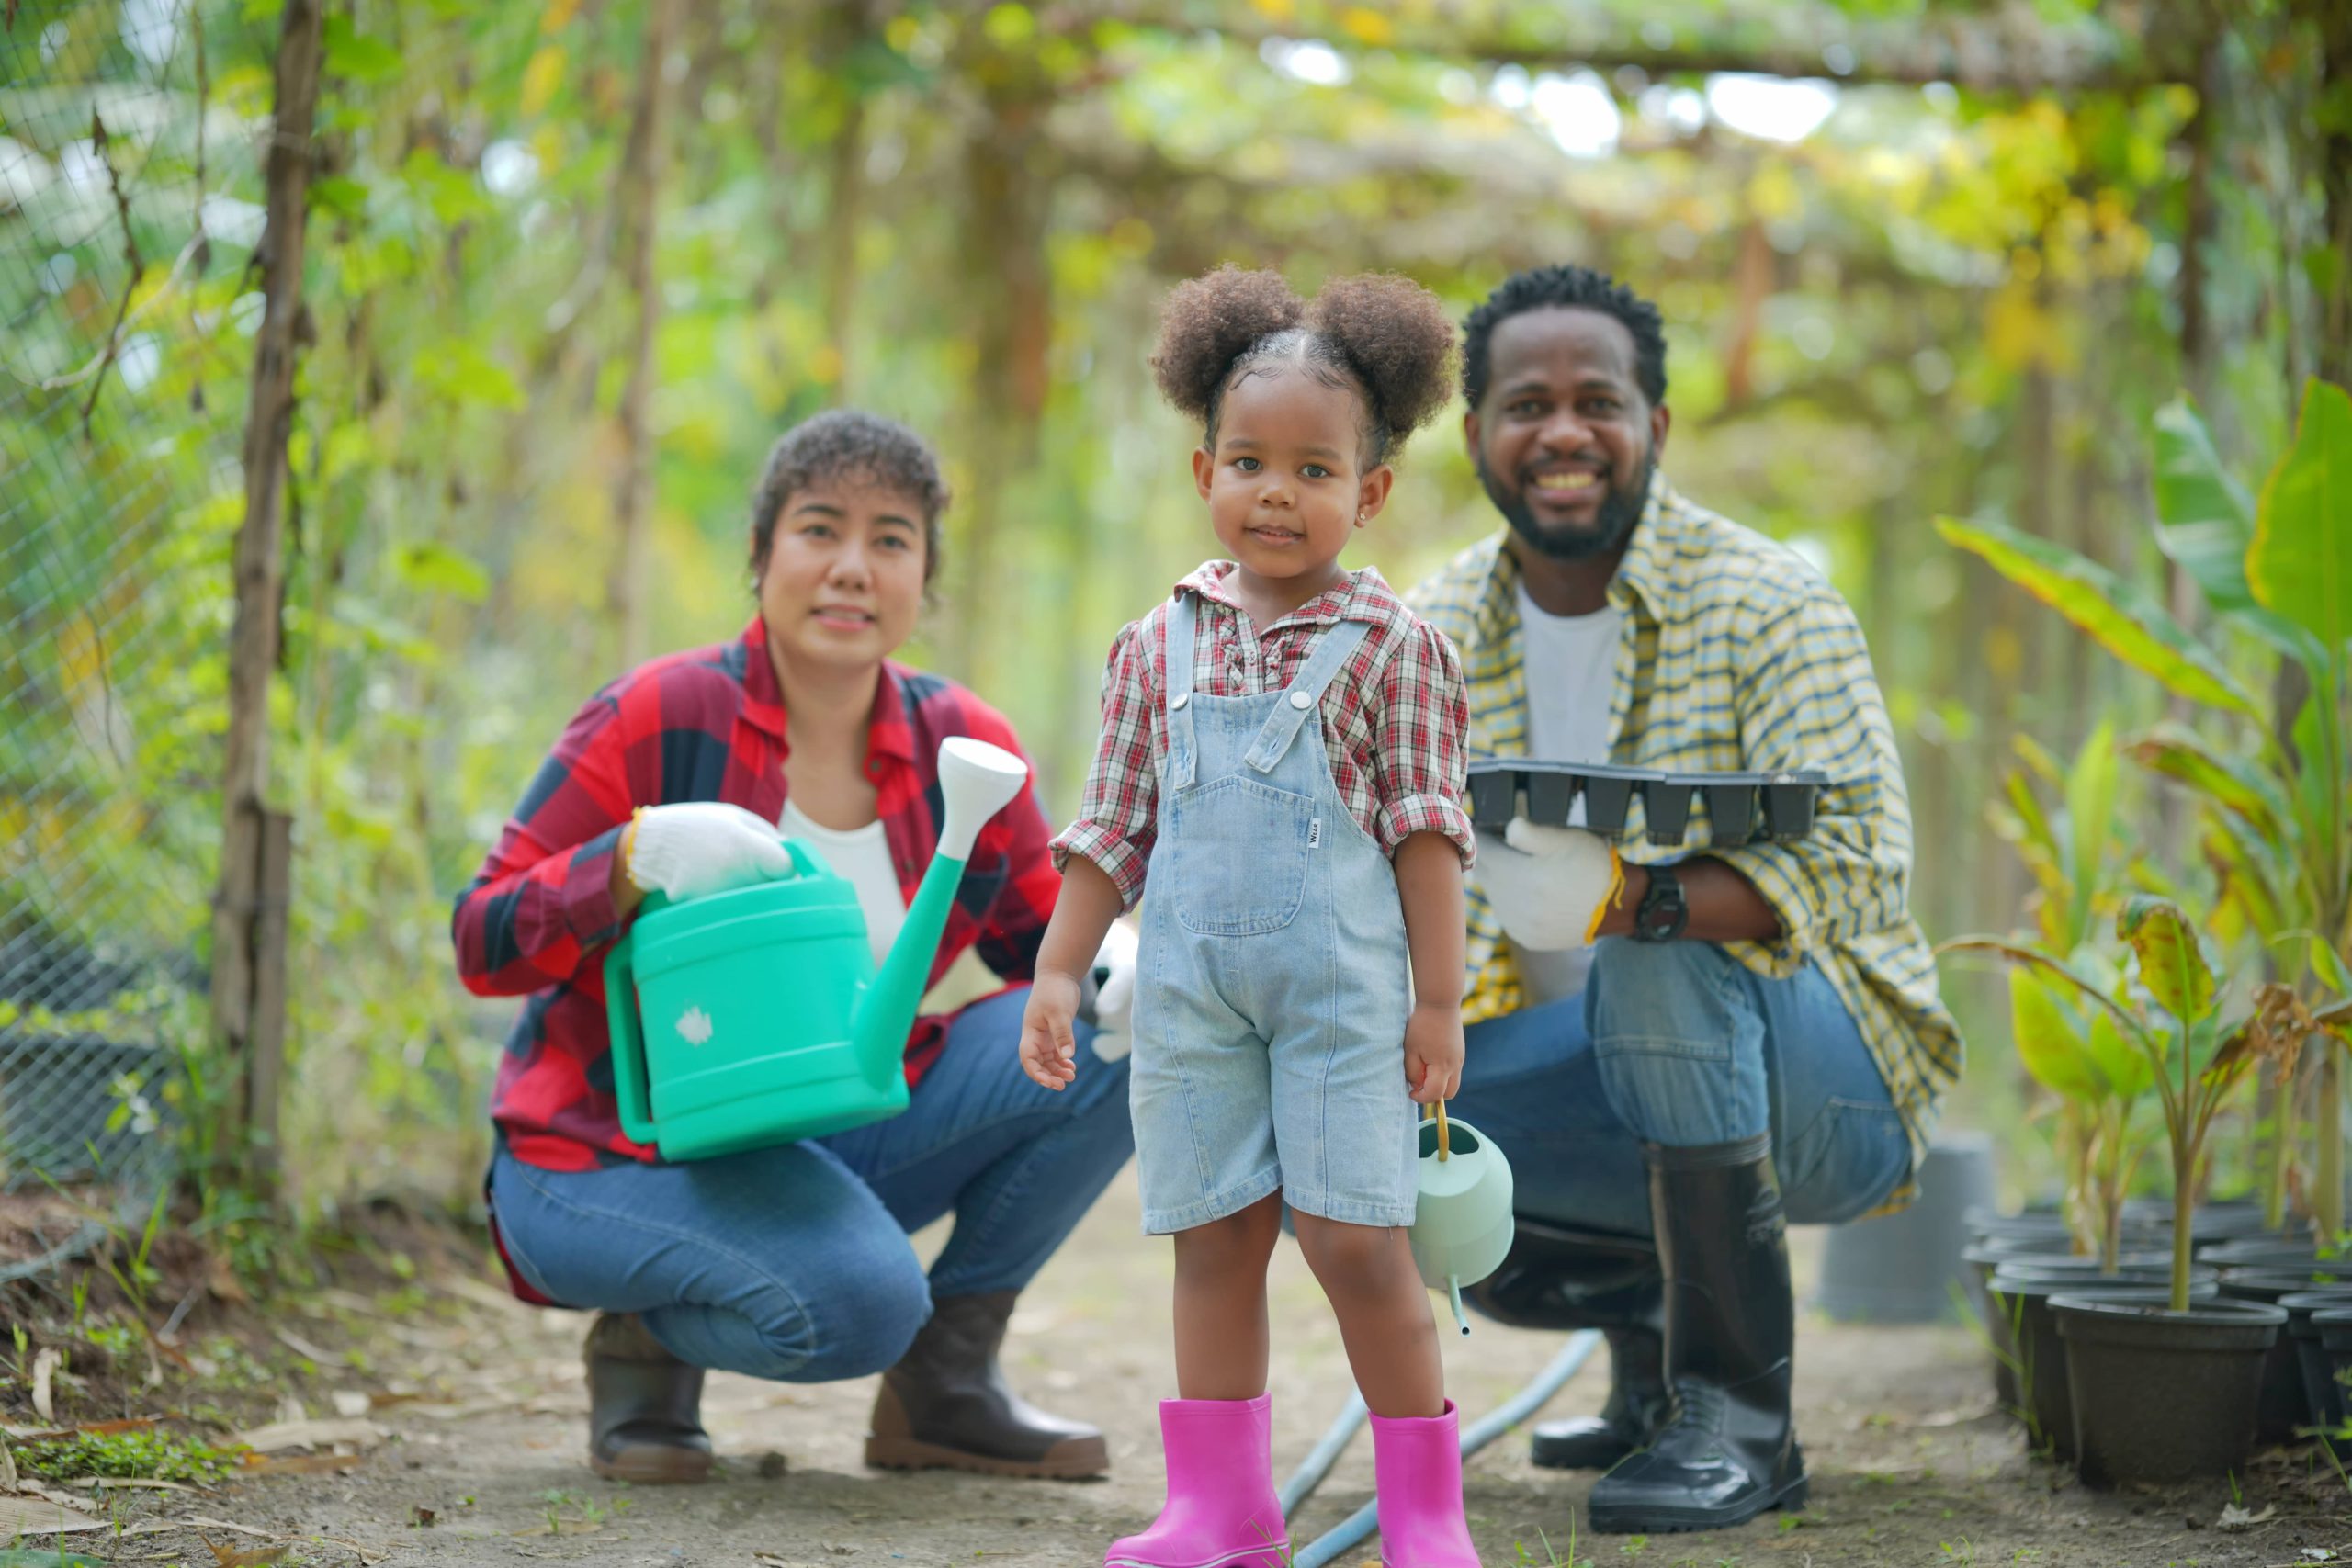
{"points": [[1548, 887], [1048, 1044], [1114, 991], [692, 848], [1433, 1052]]}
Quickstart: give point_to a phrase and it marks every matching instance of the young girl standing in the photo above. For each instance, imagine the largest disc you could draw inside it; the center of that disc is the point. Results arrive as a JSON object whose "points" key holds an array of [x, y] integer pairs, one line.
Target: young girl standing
{"points": [[1282, 753]]}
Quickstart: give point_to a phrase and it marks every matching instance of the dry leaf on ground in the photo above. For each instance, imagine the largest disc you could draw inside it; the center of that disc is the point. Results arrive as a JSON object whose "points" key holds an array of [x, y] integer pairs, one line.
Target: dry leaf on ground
{"points": [[322, 1434], [39, 1516], [254, 1559], [300, 1464], [44, 1375]]}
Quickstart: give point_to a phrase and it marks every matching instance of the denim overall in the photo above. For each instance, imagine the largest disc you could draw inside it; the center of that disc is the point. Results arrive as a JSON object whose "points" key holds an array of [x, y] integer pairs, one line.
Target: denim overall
{"points": [[1271, 986]]}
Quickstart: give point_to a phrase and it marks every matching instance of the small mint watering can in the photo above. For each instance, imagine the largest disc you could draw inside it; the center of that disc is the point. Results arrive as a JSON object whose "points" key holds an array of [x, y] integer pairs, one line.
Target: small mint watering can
{"points": [[755, 1017], [1461, 1220]]}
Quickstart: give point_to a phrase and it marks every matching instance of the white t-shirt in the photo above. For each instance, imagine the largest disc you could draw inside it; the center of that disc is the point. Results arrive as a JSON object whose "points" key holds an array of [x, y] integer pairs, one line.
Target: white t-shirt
{"points": [[1571, 665], [862, 855]]}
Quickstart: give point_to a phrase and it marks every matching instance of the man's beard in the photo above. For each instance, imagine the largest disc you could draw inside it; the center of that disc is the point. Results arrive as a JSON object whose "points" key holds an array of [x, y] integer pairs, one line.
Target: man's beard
{"points": [[1621, 512]]}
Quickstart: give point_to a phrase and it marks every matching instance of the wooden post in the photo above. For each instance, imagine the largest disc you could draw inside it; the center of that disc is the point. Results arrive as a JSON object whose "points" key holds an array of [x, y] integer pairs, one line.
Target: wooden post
{"points": [[248, 980]]}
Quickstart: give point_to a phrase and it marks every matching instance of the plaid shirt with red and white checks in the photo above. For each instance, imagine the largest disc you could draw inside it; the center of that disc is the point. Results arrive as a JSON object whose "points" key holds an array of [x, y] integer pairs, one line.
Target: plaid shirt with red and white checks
{"points": [[707, 725], [1394, 720]]}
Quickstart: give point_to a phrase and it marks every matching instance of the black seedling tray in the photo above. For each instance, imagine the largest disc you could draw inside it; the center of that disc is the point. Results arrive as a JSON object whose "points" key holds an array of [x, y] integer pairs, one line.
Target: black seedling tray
{"points": [[1741, 808]]}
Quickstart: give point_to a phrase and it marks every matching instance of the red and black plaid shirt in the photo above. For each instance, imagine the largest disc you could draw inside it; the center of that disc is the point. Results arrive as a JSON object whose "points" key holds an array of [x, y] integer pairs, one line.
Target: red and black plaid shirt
{"points": [[708, 725]]}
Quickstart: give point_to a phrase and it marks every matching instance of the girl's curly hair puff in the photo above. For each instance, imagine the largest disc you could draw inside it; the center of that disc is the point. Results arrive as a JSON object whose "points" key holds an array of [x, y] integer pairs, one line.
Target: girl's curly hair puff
{"points": [[1384, 337]]}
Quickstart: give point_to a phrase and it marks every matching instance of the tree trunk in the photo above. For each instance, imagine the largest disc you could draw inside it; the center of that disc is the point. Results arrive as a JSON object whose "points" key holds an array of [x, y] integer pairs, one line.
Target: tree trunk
{"points": [[248, 938], [1004, 236], [639, 201]]}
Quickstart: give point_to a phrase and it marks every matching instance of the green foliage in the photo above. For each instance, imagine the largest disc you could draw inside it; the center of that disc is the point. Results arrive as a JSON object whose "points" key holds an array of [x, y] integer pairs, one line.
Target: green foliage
{"points": [[142, 1454], [965, 216], [2277, 815], [2115, 613]]}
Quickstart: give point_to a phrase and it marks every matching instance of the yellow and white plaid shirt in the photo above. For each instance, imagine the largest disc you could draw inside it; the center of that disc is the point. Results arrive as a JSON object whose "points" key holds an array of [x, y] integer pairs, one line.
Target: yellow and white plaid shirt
{"points": [[1737, 657]]}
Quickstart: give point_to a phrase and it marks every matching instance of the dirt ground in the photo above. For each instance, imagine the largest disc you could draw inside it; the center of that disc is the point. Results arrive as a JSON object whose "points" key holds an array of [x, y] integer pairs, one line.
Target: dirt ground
{"points": [[482, 1459]]}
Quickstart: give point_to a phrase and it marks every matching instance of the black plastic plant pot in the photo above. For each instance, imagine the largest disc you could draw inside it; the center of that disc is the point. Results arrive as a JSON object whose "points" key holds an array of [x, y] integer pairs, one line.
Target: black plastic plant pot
{"points": [[2260, 1252], [1740, 807], [2333, 1327], [2022, 1300], [2286, 1408], [2028, 1249], [1982, 1258], [2043, 1220], [2162, 1396], [2230, 1220], [2322, 1393]]}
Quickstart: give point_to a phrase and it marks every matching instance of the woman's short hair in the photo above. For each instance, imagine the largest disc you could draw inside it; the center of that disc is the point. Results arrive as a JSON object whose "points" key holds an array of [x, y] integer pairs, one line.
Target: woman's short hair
{"points": [[849, 444]]}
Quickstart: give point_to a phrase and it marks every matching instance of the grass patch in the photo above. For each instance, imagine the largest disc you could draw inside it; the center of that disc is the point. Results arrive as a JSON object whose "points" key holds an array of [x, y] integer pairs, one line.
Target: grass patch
{"points": [[122, 1456]]}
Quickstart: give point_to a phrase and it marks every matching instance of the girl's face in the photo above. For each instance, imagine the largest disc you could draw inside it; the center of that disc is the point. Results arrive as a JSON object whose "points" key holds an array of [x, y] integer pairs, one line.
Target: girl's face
{"points": [[1284, 485], [844, 576]]}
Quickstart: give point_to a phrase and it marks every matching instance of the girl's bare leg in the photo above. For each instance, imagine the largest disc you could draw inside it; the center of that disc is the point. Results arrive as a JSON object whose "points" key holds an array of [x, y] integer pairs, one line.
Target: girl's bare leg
{"points": [[1384, 1312], [1221, 1345]]}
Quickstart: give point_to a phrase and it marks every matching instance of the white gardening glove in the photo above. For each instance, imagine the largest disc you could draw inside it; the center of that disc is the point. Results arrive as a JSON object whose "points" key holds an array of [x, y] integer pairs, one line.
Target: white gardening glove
{"points": [[1114, 991], [1546, 885], [699, 847]]}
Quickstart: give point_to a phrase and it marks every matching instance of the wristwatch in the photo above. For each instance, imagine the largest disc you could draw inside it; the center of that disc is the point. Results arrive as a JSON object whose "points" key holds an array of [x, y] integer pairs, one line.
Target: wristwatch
{"points": [[1662, 911]]}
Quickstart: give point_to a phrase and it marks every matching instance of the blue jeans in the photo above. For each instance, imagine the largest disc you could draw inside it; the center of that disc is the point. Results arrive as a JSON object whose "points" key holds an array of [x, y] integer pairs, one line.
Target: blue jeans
{"points": [[1680, 1043], [793, 1262]]}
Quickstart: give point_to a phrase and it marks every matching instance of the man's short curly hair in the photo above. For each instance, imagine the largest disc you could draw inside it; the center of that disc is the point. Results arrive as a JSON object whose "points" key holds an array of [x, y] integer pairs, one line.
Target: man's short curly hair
{"points": [[1567, 286], [849, 444], [1384, 337]]}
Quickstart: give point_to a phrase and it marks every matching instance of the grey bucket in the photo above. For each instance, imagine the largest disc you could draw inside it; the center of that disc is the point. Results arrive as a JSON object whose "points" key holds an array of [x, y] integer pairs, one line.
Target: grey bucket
{"points": [[1901, 1268]]}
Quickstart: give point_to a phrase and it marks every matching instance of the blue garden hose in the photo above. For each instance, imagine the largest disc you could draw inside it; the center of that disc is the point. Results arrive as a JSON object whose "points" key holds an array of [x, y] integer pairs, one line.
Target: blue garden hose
{"points": [[1324, 1548], [1325, 1454]]}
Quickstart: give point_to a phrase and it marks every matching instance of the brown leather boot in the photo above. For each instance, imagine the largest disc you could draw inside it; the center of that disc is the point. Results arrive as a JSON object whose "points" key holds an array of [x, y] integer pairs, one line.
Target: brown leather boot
{"points": [[944, 1405], [644, 1406]]}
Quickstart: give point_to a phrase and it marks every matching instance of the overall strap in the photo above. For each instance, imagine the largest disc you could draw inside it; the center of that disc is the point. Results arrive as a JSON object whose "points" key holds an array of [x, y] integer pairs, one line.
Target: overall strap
{"points": [[1183, 756], [1331, 656]]}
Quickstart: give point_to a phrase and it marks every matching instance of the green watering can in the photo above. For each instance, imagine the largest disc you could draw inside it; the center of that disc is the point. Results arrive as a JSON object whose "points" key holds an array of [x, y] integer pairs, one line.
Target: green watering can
{"points": [[755, 1017], [1461, 1221]]}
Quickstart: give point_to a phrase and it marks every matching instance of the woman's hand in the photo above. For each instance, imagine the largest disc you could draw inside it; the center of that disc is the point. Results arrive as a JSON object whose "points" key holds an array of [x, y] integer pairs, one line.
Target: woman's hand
{"points": [[1048, 1044], [1434, 1051], [697, 846]]}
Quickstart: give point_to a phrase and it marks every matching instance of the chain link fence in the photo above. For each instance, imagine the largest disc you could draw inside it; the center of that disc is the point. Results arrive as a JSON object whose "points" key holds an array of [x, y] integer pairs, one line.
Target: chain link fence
{"points": [[128, 192]]}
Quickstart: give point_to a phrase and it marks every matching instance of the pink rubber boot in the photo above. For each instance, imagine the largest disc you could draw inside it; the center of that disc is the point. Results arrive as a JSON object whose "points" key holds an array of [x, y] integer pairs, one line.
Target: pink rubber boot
{"points": [[1417, 1465], [1221, 1510]]}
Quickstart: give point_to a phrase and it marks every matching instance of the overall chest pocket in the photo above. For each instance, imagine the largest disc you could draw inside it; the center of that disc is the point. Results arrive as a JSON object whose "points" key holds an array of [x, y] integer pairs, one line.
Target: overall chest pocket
{"points": [[1240, 857]]}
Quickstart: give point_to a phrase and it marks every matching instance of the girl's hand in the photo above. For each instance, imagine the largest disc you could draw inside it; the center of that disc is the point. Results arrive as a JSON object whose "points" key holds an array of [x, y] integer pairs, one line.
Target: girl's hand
{"points": [[1048, 1047], [1433, 1052]]}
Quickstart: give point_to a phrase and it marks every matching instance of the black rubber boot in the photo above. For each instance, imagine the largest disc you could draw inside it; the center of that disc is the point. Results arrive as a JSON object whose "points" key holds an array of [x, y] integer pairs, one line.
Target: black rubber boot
{"points": [[1637, 1405], [1728, 1450], [946, 1405], [1556, 1277], [644, 1406]]}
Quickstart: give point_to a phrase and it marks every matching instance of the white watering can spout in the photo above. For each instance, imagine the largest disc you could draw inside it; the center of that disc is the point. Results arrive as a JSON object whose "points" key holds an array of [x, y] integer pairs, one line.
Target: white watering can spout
{"points": [[977, 781]]}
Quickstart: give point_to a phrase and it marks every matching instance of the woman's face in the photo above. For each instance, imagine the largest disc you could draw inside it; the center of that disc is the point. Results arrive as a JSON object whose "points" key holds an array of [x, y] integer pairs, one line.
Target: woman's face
{"points": [[845, 575]]}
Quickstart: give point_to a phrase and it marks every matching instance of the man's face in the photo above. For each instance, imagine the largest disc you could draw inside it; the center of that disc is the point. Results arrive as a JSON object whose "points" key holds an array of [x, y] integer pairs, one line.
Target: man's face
{"points": [[1564, 439]]}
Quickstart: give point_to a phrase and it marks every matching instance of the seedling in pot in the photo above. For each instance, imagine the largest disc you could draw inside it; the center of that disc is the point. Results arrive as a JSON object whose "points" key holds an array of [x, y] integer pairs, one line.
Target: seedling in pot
{"points": [[2167, 1010], [2070, 843]]}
